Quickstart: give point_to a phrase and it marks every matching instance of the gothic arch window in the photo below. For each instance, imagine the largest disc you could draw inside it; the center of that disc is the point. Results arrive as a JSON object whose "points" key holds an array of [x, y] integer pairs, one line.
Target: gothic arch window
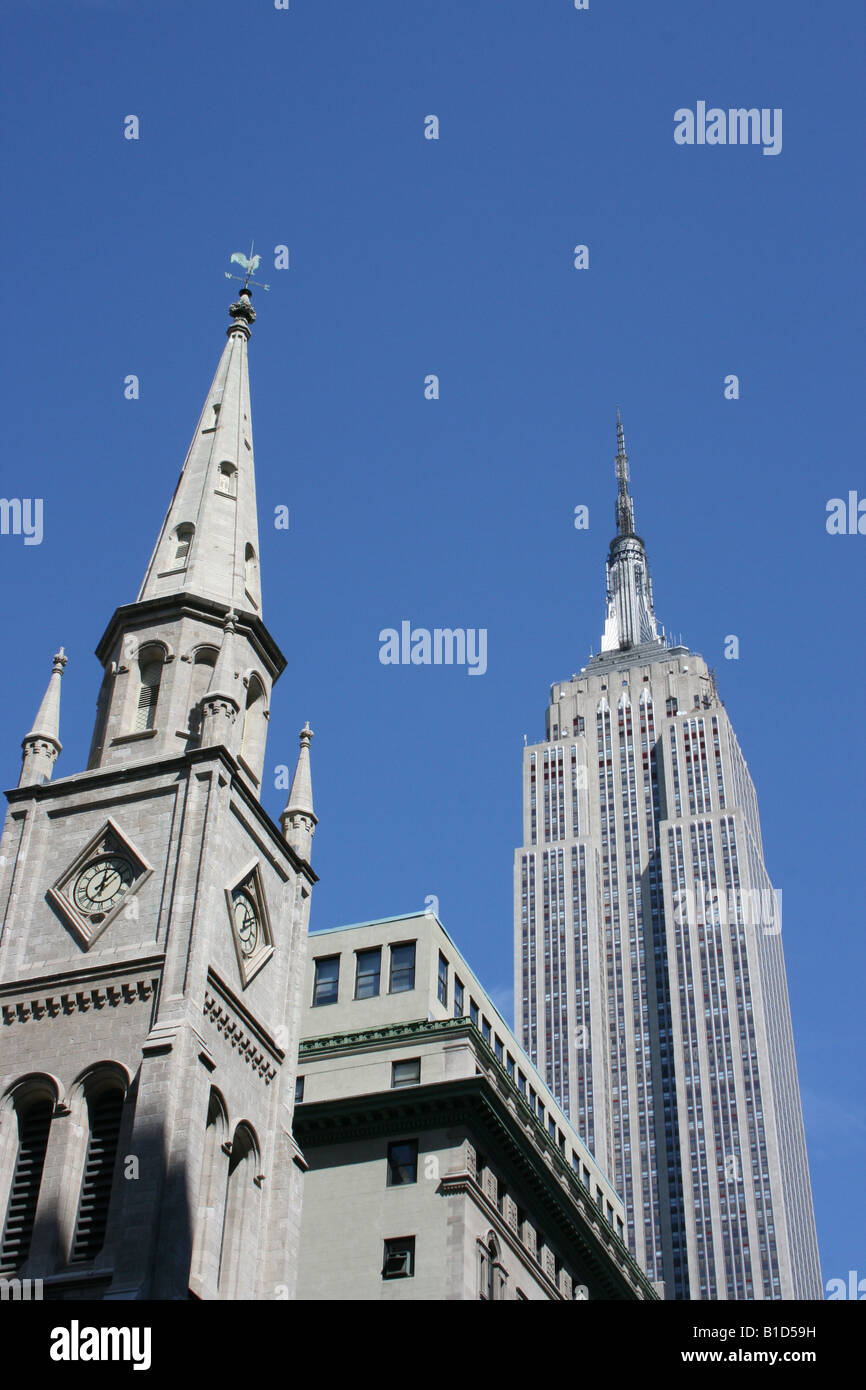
{"points": [[211, 1197], [182, 542], [251, 571], [150, 663], [240, 1216], [32, 1103], [104, 1093], [253, 738], [227, 479], [201, 674]]}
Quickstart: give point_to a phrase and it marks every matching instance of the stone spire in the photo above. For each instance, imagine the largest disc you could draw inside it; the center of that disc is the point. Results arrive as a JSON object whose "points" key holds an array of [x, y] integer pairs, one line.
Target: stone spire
{"points": [[630, 620], [42, 744], [209, 543], [299, 819]]}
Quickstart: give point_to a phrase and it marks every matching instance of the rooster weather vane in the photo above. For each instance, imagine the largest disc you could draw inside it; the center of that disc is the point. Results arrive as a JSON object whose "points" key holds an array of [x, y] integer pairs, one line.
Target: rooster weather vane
{"points": [[250, 264]]}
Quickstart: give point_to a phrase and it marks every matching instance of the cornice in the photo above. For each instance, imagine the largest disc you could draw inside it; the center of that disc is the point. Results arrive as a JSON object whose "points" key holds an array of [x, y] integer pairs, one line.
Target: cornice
{"points": [[184, 604]]}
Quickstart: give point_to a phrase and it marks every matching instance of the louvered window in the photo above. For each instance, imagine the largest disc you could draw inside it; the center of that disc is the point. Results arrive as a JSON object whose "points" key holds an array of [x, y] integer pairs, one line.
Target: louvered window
{"points": [[145, 714], [104, 1112], [34, 1121]]}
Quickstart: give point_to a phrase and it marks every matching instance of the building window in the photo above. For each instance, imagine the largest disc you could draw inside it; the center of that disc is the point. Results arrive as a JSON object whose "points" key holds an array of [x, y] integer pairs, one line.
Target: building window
{"points": [[399, 1262], [442, 983], [327, 980], [402, 967], [253, 737], [402, 1162], [183, 540], [299, 1090], [368, 969], [227, 480], [585, 1177], [490, 1282], [498, 1049], [473, 1012], [150, 664], [670, 705], [521, 1083], [609, 1214], [458, 998], [104, 1110], [251, 571], [406, 1073], [33, 1113], [509, 1065], [485, 1029], [551, 1126]]}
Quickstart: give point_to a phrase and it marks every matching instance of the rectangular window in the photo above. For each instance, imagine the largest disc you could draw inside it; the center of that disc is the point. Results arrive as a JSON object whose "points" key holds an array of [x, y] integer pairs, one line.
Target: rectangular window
{"points": [[299, 1089], [442, 984], [399, 1261], [521, 1083], [619, 1227], [458, 998], [551, 1126], [327, 980], [368, 969], [402, 967], [599, 1200], [485, 1029], [609, 1214], [498, 1049], [509, 1065], [406, 1073], [473, 1011], [585, 1177], [402, 1162]]}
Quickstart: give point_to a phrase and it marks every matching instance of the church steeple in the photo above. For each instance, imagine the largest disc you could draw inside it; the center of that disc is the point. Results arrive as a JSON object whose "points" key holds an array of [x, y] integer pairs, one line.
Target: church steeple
{"points": [[42, 745], [162, 652], [209, 542], [630, 619]]}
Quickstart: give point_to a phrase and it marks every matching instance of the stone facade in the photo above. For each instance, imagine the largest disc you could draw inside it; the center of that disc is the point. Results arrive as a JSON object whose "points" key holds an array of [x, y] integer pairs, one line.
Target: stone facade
{"points": [[501, 1199], [149, 1035]]}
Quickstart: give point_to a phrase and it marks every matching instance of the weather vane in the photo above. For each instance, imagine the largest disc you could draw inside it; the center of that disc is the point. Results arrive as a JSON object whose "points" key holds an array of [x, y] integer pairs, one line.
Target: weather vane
{"points": [[250, 264]]}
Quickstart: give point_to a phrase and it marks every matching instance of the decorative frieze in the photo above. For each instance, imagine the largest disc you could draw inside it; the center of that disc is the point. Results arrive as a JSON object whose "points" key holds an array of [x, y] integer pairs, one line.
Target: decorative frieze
{"points": [[76, 1002], [242, 1042]]}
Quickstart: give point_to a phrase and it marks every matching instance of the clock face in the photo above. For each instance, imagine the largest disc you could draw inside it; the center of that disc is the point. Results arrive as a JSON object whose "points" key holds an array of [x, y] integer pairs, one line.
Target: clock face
{"points": [[246, 921], [102, 883]]}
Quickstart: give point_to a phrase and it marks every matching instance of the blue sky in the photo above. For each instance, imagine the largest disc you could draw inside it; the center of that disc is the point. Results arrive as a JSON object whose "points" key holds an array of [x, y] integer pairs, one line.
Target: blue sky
{"points": [[454, 257]]}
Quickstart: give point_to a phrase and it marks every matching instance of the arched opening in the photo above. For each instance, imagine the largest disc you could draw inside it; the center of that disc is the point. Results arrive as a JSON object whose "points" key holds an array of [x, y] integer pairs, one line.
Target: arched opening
{"points": [[105, 1094], [238, 1254], [33, 1106], [199, 683], [183, 540], [251, 572], [227, 479], [253, 737], [211, 1198], [150, 663]]}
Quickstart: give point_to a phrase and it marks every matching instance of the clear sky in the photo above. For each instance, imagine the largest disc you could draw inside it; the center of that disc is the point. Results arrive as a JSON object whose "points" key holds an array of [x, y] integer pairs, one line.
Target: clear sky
{"points": [[454, 257]]}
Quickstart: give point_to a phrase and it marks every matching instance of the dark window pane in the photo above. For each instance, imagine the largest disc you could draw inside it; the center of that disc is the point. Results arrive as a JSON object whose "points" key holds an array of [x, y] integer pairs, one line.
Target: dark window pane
{"points": [[402, 1162], [326, 986], [399, 1260], [368, 971], [407, 1073], [402, 967]]}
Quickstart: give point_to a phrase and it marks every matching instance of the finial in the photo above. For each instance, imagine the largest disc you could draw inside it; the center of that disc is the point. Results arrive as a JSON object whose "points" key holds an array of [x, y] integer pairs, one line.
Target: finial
{"points": [[59, 661], [306, 734], [242, 310]]}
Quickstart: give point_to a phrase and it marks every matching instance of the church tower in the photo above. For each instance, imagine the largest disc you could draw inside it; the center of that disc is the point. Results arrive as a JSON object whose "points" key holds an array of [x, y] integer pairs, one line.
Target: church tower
{"points": [[153, 924]]}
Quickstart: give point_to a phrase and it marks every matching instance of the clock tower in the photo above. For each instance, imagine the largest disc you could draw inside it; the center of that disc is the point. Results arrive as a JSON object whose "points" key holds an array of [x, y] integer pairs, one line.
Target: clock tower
{"points": [[153, 924]]}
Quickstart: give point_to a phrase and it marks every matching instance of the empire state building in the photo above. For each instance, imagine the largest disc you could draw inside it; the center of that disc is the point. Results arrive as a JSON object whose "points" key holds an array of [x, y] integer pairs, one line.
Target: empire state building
{"points": [[650, 985]]}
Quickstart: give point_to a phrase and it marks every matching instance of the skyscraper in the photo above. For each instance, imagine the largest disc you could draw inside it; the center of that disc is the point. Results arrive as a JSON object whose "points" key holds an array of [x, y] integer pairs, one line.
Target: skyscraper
{"points": [[153, 925], [650, 986]]}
